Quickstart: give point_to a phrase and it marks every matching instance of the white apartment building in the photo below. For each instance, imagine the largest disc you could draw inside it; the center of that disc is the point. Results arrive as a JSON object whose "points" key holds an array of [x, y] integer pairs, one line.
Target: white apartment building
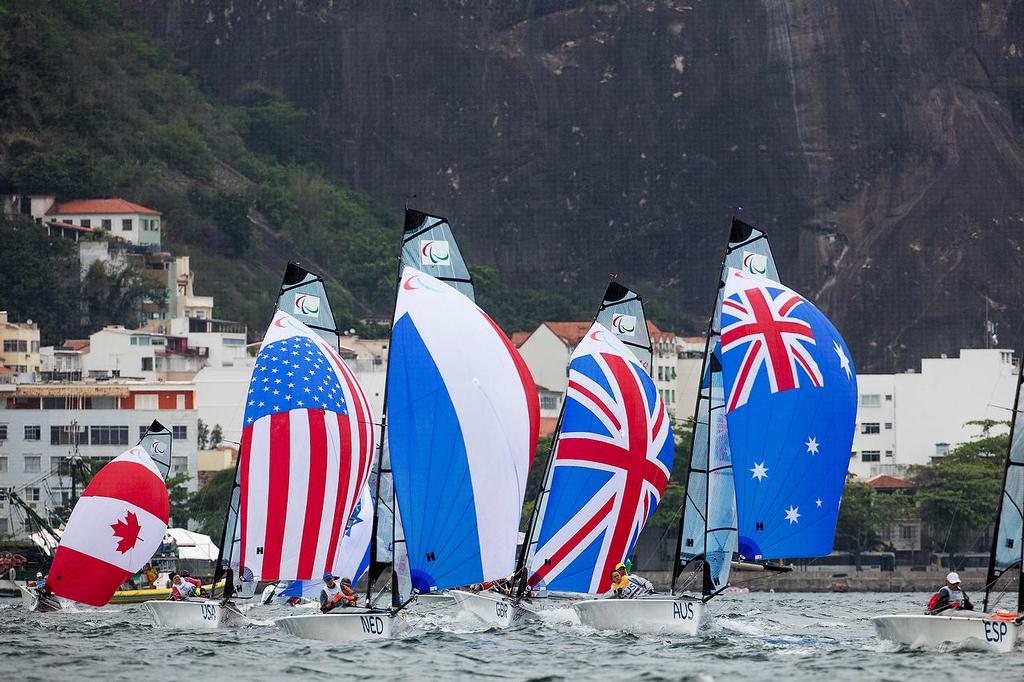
{"points": [[910, 418], [40, 425], [117, 217], [182, 300]]}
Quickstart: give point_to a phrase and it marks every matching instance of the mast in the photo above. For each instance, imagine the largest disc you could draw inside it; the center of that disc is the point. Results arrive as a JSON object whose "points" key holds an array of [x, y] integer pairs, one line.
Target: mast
{"points": [[1008, 536], [748, 249]]}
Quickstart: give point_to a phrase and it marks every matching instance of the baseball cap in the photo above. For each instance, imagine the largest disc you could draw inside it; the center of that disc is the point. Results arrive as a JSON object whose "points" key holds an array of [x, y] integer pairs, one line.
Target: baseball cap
{"points": [[953, 578]]}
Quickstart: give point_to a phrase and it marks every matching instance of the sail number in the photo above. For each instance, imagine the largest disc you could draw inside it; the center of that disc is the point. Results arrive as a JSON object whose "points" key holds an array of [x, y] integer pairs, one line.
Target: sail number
{"points": [[372, 625], [209, 611], [500, 609], [995, 632], [682, 611]]}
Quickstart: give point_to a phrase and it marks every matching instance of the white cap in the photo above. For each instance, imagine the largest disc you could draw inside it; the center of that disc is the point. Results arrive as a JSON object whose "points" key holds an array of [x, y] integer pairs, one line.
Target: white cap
{"points": [[39, 575], [953, 578]]}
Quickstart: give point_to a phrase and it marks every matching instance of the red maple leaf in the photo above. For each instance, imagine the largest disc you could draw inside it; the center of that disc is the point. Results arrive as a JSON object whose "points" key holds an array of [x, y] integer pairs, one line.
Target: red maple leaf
{"points": [[127, 531]]}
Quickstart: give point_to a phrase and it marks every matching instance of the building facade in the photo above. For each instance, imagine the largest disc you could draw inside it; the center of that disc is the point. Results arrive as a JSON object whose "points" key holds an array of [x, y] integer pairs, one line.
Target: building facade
{"points": [[911, 418], [43, 425], [117, 217], [19, 348]]}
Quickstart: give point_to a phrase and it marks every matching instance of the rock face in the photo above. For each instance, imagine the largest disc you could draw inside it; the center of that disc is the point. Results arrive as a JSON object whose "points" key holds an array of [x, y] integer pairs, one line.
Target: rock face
{"points": [[875, 140]]}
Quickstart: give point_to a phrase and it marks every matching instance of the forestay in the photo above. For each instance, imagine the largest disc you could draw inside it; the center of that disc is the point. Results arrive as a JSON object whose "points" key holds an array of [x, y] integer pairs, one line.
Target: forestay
{"points": [[1008, 539], [462, 427], [116, 527], [307, 446], [790, 404], [708, 524], [611, 463]]}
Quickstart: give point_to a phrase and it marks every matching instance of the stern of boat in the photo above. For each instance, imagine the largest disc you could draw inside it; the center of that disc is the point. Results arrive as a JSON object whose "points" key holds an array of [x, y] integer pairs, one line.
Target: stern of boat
{"points": [[661, 616], [494, 609], [981, 632], [343, 626], [198, 614]]}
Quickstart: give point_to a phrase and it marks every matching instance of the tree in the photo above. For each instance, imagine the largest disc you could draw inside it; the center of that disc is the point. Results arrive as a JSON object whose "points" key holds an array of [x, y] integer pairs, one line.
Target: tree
{"points": [[957, 494], [865, 512], [216, 436], [181, 500], [112, 295], [208, 506], [202, 435]]}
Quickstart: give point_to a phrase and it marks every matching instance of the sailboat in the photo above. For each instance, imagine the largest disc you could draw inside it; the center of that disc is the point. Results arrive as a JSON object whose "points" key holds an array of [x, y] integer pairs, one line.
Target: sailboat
{"points": [[306, 452], [773, 428], [987, 630], [609, 462], [115, 528]]}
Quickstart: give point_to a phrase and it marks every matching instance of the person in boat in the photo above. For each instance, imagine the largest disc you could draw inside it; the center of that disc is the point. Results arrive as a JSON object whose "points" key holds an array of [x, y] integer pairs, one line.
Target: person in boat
{"points": [[150, 573], [625, 586], [184, 587], [950, 596], [336, 594]]}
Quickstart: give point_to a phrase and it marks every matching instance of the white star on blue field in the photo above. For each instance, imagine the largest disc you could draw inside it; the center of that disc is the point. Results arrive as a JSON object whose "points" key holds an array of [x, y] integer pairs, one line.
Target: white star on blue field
{"points": [[289, 375]]}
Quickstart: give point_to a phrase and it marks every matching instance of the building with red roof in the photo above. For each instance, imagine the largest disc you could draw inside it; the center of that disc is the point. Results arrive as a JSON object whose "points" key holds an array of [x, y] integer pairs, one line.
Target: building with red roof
{"points": [[118, 217]]}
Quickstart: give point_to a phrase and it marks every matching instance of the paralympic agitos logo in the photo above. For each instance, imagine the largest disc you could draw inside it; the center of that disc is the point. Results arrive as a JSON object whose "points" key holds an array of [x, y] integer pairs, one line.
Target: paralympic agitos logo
{"points": [[435, 252], [624, 325], [306, 304]]}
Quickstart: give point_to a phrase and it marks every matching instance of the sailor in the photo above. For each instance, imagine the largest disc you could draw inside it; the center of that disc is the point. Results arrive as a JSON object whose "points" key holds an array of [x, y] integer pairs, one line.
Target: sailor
{"points": [[183, 587], [628, 586], [950, 596], [150, 573], [335, 594]]}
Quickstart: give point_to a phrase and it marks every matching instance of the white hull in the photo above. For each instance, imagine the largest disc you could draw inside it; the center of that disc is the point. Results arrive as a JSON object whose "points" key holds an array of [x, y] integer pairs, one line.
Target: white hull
{"points": [[31, 601], [343, 625], [493, 609], [195, 614], [664, 616], [975, 631]]}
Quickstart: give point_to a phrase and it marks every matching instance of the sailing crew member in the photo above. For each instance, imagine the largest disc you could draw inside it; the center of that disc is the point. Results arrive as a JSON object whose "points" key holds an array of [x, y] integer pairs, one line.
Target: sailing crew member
{"points": [[950, 596], [184, 587], [628, 586], [335, 594], [150, 573]]}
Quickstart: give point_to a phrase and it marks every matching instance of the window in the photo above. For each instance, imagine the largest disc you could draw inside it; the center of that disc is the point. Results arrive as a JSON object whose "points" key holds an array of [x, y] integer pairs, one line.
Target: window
{"points": [[33, 464], [871, 456], [888, 453], [31, 494], [3, 464], [55, 464], [108, 435], [942, 449], [86, 222], [179, 465], [3, 431], [105, 223], [55, 403], [548, 402], [179, 402], [103, 403], [67, 435], [147, 401], [139, 341], [672, 396], [32, 433], [15, 346], [869, 427], [661, 374], [147, 364], [4, 528], [888, 396], [870, 400], [907, 532], [888, 426], [179, 432], [126, 224]]}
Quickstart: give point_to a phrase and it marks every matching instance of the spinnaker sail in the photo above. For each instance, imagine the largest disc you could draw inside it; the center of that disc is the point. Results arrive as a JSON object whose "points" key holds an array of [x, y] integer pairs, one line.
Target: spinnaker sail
{"points": [[1008, 539], [463, 419], [790, 405], [117, 525], [611, 455]]}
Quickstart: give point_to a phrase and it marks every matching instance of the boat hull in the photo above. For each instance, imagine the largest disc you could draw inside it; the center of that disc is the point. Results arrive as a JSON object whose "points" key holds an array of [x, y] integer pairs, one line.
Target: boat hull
{"points": [[494, 609], [195, 614], [979, 631], [664, 616], [347, 625], [33, 602]]}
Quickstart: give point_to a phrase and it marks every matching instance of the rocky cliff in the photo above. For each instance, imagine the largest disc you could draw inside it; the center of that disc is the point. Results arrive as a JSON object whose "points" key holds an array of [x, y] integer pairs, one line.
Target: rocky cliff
{"points": [[876, 141]]}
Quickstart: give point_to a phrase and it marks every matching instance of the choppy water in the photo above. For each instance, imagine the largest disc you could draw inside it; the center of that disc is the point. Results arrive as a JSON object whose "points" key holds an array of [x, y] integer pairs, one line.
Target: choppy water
{"points": [[749, 636]]}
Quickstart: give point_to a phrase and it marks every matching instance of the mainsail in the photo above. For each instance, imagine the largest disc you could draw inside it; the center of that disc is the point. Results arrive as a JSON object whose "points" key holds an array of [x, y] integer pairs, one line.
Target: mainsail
{"points": [[1008, 539], [463, 419], [611, 455], [117, 525], [708, 524]]}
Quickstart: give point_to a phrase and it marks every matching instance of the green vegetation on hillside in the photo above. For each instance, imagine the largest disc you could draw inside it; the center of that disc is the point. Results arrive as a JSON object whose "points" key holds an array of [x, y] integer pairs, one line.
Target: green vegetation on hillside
{"points": [[90, 108]]}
